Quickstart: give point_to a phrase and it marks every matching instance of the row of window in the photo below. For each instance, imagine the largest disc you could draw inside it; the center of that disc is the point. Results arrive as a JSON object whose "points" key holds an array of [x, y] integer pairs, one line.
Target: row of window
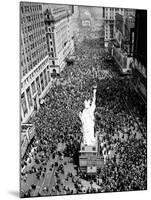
{"points": [[33, 17], [32, 37], [110, 17], [49, 45], [27, 67], [30, 19], [30, 8], [36, 86], [35, 71], [116, 9], [37, 37], [35, 51], [41, 51], [36, 27], [109, 36], [38, 53], [48, 29], [33, 27]]}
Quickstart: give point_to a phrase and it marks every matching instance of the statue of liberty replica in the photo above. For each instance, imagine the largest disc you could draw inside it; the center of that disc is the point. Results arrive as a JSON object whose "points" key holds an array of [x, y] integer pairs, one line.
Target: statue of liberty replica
{"points": [[88, 120]]}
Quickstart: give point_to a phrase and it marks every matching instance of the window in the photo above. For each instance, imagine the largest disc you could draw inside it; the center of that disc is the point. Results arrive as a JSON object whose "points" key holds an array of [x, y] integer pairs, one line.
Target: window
{"points": [[45, 77], [42, 81], [22, 10], [29, 98], [33, 87], [48, 73], [23, 104], [38, 85], [40, 7], [94, 148], [111, 31]]}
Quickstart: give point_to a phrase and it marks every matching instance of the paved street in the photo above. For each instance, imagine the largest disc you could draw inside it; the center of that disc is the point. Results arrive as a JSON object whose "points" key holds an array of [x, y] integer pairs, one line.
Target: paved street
{"points": [[85, 74], [45, 185]]}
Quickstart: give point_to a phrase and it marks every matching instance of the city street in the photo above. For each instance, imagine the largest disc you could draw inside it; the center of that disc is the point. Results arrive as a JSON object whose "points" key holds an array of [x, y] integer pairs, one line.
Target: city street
{"points": [[83, 101], [103, 72]]}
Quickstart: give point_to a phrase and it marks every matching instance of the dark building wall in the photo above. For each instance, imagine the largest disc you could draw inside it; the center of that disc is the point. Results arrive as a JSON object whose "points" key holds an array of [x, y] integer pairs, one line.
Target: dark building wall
{"points": [[140, 53], [129, 24], [119, 22], [103, 12], [72, 9], [140, 44]]}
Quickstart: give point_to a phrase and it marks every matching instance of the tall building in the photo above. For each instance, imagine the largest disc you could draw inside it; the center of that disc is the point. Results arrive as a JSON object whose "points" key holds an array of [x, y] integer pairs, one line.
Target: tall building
{"points": [[129, 11], [124, 28], [59, 34], [34, 59], [109, 22], [109, 15], [140, 54], [122, 44], [129, 34]]}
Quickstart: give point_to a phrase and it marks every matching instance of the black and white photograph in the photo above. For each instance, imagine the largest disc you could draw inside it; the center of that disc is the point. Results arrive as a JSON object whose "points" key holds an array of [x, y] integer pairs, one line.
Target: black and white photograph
{"points": [[83, 99]]}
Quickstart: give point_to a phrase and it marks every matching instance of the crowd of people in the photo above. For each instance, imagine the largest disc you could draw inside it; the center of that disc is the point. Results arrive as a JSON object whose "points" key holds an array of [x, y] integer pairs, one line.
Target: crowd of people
{"points": [[57, 122], [122, 141]]}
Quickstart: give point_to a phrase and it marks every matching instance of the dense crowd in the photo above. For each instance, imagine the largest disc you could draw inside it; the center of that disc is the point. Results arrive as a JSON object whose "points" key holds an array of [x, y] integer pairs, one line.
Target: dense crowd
{"points": [[122, 141], [57, 121]]}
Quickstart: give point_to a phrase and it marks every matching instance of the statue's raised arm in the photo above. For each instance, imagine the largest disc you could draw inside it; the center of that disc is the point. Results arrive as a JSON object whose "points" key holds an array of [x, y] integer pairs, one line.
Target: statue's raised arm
{"points": [[94, 99]]}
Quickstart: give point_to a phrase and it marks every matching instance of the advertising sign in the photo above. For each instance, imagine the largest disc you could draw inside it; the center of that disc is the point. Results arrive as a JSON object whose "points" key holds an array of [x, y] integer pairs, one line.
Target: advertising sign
{"points": [[91, 169]]}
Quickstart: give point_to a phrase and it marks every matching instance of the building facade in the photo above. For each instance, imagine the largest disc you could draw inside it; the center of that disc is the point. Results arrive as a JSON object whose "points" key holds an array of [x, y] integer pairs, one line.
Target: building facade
{"points": [[124, 31], [129, 34], [27, 135], [89, 159], [109, 15], [122, 45], [34, 59], [139, 80], [46, 39], [109, 22], [59, 34]]}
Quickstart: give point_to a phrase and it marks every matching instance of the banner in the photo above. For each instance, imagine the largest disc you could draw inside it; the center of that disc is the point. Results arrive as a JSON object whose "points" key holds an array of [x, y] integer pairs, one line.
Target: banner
{"points": [[91, 169]]}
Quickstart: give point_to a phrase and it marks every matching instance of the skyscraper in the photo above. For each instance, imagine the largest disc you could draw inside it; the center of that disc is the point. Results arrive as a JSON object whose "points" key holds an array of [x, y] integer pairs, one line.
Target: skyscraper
{"points": [[59, 33], [34, 60], [109, 22]]}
